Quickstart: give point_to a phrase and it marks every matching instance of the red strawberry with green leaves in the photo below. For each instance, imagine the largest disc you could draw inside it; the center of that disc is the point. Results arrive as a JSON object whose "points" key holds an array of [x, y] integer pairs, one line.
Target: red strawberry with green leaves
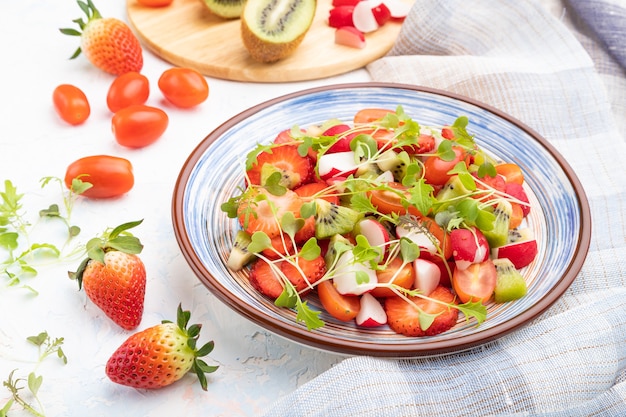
{"points": [[160, 355], [114, 277], [108, 43], [404, 317]]}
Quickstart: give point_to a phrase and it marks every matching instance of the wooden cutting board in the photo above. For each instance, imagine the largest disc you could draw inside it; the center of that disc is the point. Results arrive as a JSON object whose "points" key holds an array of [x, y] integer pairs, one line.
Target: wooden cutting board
{"points": [[187, 35]]}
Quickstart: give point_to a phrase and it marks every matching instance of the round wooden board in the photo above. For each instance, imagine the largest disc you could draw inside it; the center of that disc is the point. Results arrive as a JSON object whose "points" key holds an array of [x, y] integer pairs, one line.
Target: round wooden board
{"points": [[188, 35]]}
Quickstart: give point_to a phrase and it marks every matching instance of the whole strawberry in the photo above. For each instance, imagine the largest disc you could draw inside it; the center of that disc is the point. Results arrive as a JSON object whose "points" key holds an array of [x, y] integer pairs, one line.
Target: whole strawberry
{"points": [[108, 43], [114, 277], [160, 355]]}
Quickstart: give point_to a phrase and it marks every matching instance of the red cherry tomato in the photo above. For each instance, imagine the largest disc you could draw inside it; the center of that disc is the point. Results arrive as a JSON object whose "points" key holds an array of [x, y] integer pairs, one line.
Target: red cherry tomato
{"points": [[183, 87], [436, 169], [128, 89], [138, 125], [370, 115], [110, 176], [71, 104], [155, 3], [477, 282], [388, 202]]}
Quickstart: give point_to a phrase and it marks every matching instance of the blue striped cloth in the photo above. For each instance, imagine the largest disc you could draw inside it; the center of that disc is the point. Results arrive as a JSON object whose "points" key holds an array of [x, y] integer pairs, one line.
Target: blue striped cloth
{"points": [[536, 61], [607, 20]]}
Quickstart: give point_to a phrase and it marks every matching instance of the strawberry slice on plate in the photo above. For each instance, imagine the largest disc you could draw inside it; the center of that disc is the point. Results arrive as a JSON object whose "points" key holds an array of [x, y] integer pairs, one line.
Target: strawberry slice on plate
{"points": [[285, 159], [404, 317], [261, 211], [267, 278]]}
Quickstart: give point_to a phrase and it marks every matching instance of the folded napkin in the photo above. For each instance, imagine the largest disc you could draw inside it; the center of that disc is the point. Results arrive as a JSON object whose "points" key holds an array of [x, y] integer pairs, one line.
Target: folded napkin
{"points": [[523, 57]]}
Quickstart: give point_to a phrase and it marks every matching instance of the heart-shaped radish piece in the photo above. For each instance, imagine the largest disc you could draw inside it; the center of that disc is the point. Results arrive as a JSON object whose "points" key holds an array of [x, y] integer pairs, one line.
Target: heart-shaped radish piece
{"points": [[353, 278], [363, 17], [372, 313], [427, 276]]}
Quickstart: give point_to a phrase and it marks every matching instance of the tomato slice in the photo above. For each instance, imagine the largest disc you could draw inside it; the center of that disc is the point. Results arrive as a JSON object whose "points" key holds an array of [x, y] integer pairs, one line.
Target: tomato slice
{"points": [[511, 172], [342, 307], [388, 202], [517, 215], [404, 278], [365, 116], [475, 283], [436, 169]]}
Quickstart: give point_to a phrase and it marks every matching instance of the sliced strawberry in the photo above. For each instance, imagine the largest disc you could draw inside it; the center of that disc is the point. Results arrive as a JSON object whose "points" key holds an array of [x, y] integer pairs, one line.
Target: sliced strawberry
{"points": [[307, 231], [306, 273], [282, 245], [258, 214], [295, 169], [403, 317], [264, 279], [340, 16], [352, 3], [317, 189]]}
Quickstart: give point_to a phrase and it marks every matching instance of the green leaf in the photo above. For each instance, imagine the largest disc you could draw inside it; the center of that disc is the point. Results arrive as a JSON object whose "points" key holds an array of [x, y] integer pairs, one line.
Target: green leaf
{"points": [[260, 241], [79, 186], [409, 250], [288, 298], [310, 250], [362, 277], [123, 228], [273, 184], [290, 224], [205, 367], [308, 209], [421, 196], [205, 349], [126, 244], [8, 240], [39, 339], [426, 319], [34, 383], [308, 316], [230, 207], [51, 211], [473, 309]]}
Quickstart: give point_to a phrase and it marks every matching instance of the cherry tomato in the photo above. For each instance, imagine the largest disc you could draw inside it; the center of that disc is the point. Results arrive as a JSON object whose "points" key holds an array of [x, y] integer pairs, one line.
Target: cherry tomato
{"points": [[442, 236], [511, 172], [436, 169], [388, 202], [183, 87], [110, 176], [342, 307], [128, 89], [370, 115], [155, 3], [138, 125], [477, 282], [71, 104], [404, 278]]}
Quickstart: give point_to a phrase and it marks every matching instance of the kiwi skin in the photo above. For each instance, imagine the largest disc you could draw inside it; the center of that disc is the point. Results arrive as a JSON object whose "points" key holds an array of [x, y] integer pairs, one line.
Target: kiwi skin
{"points": [[264, 49]]}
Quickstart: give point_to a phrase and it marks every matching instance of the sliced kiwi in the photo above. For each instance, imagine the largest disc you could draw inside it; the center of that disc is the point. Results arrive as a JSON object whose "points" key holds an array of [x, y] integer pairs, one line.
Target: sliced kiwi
{"points": [[272, 29], [332, 219], [499, 235], [391, 161], [226, 9], [452, 189], [510, 284], [331, 253], [239, 255]]}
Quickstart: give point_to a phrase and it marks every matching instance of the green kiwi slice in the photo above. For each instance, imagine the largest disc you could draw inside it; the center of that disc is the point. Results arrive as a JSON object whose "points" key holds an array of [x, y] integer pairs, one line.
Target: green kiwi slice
{"points": [[226, 9], [272, 29]]}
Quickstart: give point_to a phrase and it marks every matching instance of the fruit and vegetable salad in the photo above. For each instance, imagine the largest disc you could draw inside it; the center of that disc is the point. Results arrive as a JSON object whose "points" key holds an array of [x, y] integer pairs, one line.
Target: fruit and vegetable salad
{"points": [[388, 221]]}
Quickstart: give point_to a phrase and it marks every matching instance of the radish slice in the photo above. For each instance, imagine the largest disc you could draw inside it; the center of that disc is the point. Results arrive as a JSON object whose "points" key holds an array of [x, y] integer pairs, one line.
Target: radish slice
{"points": [[372, 313], [363, 17], [397, 8], [337, 164], [427, 276]]}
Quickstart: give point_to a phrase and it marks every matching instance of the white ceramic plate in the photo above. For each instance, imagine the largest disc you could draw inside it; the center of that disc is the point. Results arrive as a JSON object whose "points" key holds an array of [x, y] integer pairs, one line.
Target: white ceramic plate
{"points": [[560, 216]]}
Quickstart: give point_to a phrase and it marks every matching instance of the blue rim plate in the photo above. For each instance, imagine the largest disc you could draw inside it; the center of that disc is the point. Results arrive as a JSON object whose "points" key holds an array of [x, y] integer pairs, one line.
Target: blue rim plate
{"points": [[560, 216]]}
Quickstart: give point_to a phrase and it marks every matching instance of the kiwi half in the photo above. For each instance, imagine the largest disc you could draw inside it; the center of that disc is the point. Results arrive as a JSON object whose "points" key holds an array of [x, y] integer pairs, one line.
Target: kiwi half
{"points": [[272, 29], [226, 9]]}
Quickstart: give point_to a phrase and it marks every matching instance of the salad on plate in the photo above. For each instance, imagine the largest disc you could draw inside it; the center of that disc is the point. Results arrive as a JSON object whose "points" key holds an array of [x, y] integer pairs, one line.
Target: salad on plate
{"points": [[388, 221]]}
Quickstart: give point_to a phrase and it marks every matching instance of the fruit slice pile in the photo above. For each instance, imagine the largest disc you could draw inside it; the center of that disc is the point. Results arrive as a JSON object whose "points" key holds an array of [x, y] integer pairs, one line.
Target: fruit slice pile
{"points": [[387, 221], [352, 19]]}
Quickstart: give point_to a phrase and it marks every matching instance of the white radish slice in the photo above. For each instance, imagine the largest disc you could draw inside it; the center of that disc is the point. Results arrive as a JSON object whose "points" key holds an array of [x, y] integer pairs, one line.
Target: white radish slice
{"points": [[372, 313], [427, 276], [353, 278], [397, 8], [337, 164], [363, 17]]}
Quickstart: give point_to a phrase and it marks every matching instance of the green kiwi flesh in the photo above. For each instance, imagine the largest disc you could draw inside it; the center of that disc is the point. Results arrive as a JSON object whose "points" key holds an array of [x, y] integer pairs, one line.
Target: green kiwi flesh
{"points": [[332, 219], [272, 29], [226, 9]]}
